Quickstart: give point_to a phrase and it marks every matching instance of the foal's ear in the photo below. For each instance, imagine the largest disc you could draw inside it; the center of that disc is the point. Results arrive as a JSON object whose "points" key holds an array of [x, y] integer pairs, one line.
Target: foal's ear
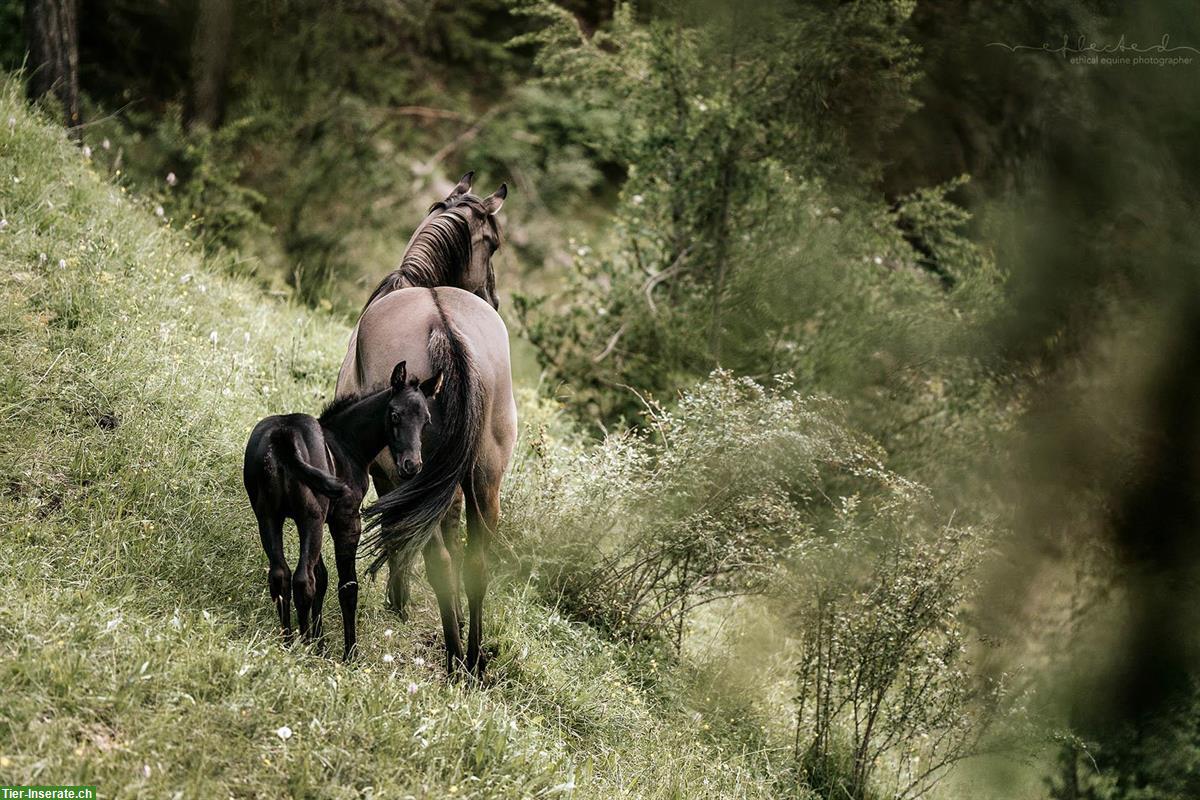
{"points": [[463, 186], [432, 387], [400, 375], [495, 200]]}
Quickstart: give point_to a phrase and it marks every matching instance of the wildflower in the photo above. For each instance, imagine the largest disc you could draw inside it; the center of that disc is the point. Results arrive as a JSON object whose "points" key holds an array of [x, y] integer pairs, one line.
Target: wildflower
{"points": [[87, 151], [62, 263], [284, 732], [3, 224], [418, 661], [388, 658], [389, 633], [158, 211], [878, 259], [638, 199], [171, 179], [412, 687], [146, 770], [107, 145], [212, 337]]}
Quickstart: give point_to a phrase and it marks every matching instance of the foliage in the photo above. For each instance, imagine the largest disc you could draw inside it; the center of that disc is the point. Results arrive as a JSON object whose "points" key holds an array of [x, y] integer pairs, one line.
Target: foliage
{"points": [[887, 699], [740, 239], [344, 117], [712, 500], [1155, 760]]}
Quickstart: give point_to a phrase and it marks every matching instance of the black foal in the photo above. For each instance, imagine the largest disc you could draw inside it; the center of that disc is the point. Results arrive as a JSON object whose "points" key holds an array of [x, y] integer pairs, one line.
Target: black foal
{"points": [[315, 471]]}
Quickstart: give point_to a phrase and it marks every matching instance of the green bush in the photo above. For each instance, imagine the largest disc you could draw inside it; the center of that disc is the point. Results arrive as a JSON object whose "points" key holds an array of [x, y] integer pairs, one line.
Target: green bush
{"points": [[887, 699], [710, 500]]}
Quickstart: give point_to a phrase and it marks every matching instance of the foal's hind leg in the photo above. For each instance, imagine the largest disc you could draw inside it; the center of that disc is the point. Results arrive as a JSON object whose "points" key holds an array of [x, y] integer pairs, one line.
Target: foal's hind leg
{"points": [[483, 515], [318, 617], [279, 577], [304, 580]]}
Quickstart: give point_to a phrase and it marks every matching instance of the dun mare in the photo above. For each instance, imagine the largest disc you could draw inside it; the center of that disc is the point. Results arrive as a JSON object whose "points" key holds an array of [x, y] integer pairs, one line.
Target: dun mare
{"points": [[453, 246], [453, 334], [315, 472]]}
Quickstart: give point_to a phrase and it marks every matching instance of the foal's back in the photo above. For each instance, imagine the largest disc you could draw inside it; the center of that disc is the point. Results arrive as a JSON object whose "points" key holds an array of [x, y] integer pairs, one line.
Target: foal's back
{"points": [[268, 468]]}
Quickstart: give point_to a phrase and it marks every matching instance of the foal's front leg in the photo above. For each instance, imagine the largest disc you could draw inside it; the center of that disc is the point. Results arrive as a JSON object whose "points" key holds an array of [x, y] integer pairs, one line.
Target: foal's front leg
{"points": [[399, 570]]}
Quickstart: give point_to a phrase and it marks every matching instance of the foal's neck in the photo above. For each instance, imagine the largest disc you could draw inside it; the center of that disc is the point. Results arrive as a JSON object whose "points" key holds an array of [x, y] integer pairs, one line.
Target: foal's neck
{"points": [[358, 429]]}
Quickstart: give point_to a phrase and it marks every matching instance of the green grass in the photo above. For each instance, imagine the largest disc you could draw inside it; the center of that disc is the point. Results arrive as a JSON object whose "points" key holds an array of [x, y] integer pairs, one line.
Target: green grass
{"points": [[137, 647]]}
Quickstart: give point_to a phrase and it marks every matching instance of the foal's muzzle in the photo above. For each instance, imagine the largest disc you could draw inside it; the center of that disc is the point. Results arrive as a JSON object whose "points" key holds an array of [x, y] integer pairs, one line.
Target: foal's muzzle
{"points": [[409, 467]]}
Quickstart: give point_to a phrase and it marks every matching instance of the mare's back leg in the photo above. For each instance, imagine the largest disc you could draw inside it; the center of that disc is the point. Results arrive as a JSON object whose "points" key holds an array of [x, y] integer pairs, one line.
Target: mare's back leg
{"points": [[279, 577], [439, 571], [483, 515], [452, 536]]}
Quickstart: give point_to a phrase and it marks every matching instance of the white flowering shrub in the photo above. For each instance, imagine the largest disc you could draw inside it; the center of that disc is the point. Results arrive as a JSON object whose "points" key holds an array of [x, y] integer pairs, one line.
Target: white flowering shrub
{"points": [[710, 500], [743, 488], [886, 698]]}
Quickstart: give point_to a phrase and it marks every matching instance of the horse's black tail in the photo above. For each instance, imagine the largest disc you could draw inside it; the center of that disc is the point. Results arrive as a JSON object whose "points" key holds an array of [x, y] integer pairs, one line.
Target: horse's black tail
{"points": [[288, 449], [402, 521]]}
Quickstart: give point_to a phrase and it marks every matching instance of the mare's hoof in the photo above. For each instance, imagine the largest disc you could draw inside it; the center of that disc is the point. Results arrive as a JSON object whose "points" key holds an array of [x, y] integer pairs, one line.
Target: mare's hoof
{"points": [[400, 611]]}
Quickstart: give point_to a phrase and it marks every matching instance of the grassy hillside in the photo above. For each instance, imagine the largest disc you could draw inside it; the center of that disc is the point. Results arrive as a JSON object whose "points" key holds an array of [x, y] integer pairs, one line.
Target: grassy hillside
{"points": [[136, 641]]}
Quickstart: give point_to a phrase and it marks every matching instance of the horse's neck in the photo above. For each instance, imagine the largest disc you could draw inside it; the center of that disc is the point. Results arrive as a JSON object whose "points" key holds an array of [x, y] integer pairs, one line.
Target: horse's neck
{"points": [[358, 430], [423, 275]]}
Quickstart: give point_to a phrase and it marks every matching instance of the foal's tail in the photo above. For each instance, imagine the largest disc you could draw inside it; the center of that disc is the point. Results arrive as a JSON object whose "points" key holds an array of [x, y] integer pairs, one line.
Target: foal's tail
{"points": [[320, 481], [402, 521]]}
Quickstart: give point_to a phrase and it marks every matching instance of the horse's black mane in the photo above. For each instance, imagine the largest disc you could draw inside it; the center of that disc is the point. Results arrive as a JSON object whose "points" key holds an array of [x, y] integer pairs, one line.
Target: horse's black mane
{"points": [[439, 254], [339, 404]]}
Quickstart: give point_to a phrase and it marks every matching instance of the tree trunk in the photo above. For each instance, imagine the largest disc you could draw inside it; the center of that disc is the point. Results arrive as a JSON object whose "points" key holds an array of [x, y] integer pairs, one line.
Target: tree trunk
{"points": [[211, 55], [52, 36]]}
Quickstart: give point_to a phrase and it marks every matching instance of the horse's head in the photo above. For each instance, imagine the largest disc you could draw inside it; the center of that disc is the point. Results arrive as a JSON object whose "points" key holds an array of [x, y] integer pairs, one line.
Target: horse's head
{"points": [[408, 414], [470, 222]]}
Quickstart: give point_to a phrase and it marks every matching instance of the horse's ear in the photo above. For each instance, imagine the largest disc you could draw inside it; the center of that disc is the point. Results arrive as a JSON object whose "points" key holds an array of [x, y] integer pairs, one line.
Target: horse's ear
{"points": [[463, 186], [495, 200], [399, 375], [432, 387]]}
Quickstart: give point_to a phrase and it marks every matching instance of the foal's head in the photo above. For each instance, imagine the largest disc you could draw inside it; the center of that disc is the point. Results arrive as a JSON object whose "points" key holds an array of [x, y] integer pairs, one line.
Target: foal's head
{"points": [[408, 414]]}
